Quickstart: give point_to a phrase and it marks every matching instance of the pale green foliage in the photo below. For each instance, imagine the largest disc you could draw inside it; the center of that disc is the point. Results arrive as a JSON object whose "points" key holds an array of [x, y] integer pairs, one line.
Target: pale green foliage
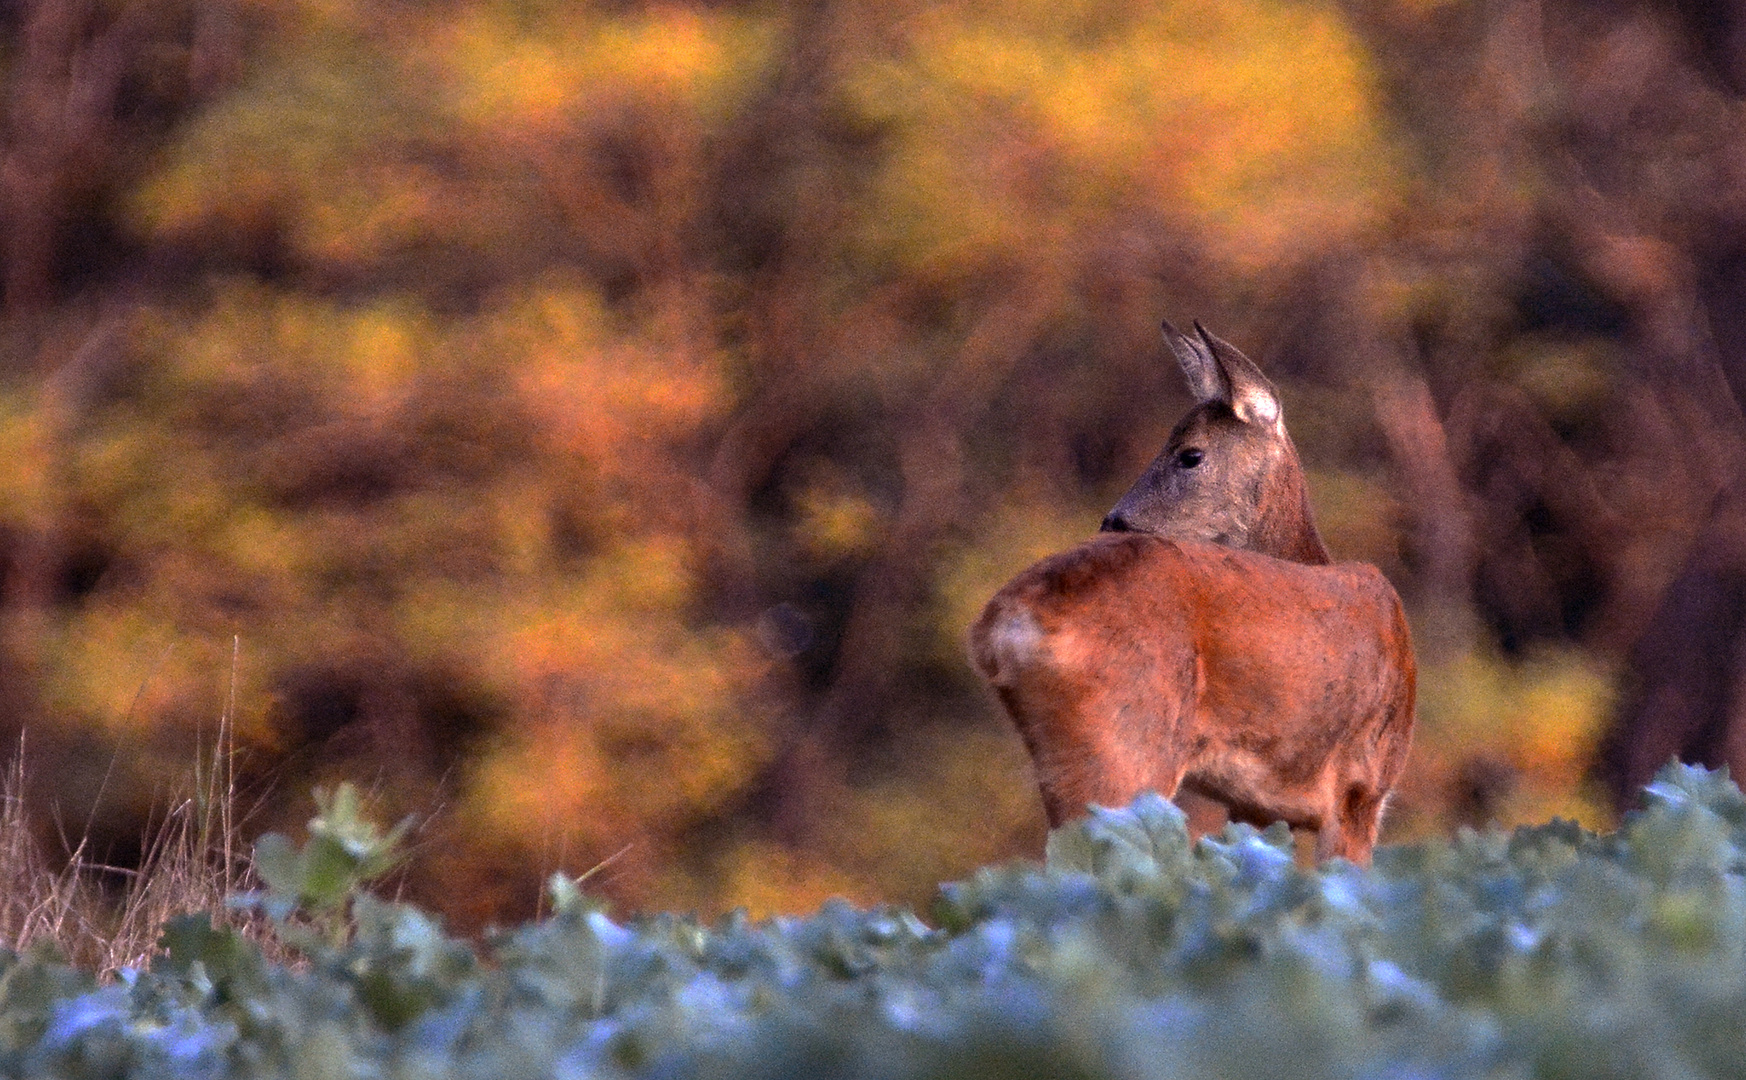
{"points": [[1133, 953], [345, 851]]}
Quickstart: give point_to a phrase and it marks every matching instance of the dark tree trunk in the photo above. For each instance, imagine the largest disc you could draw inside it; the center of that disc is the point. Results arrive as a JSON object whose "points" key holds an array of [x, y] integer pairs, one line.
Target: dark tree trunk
{"points": [[1685, 694]]}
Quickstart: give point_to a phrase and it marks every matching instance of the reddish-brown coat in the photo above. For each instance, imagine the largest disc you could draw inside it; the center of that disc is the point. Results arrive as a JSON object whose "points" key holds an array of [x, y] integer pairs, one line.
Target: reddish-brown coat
{"points": [[1133, 662], [1204, 643]]}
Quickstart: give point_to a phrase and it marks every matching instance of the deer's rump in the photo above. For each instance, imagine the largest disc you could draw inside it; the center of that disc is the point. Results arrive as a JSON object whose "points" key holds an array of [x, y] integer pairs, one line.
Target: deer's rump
{"points": [[1134, 662]]}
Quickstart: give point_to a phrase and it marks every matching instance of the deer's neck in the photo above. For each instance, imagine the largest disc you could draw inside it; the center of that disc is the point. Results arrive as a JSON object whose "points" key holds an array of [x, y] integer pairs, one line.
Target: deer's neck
{"points": [[1287, 529]]}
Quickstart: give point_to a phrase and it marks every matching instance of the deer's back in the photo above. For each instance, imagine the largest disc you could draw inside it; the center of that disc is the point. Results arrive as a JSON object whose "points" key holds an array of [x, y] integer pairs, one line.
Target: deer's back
{"points": [[1139, 591], [1131, 637]]}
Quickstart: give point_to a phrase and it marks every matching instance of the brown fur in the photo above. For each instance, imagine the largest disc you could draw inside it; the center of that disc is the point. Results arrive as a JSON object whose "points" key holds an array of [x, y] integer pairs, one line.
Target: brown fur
{"points": [[1204, 643], [1133, 662]]}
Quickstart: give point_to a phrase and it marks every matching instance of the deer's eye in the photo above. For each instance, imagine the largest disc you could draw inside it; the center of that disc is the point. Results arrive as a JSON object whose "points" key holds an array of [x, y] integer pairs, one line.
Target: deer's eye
{"points": [[1188, 459]]}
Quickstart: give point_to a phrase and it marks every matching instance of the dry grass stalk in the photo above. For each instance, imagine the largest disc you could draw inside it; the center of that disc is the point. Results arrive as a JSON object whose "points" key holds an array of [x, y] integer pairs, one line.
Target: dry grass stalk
{"points": [[194, 860]]}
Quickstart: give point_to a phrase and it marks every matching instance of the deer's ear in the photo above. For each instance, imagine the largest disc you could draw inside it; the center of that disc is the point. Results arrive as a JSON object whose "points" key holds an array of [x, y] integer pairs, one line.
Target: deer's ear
{"points": [[1250, 395], [1205, 380]]}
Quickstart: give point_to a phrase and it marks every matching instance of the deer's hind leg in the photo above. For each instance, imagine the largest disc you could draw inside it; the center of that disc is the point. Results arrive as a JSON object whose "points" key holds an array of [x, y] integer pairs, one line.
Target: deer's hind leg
{"points": [[1078, 762], [1107, 777], [1349, 831]]}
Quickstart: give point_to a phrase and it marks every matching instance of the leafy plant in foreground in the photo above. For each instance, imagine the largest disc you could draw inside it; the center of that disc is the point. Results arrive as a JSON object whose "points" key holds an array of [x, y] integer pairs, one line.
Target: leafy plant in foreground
{"points": [[323, 878], [1550, 951]]}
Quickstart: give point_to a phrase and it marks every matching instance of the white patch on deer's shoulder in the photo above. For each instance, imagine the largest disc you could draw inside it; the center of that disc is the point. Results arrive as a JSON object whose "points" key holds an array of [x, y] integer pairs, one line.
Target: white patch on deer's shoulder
{"points": [[1014, 642]]}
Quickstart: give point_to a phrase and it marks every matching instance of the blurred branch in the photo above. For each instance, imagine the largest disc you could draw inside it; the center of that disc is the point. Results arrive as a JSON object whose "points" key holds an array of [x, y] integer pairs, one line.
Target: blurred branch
{"points": [[1443, 528], [1687, 672], [1722, 289], [775, 203], [896, 582], [82, 78], [40, 551], [61, 101]]}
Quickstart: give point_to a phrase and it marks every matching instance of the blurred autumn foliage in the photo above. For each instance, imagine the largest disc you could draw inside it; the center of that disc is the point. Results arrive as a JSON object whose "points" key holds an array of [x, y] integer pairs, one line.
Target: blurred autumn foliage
{"points": [[594, 424]]}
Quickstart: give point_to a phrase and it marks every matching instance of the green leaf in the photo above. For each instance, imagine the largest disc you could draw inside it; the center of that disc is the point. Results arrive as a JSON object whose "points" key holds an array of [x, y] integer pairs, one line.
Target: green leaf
{"points": [[278, 863], [330, 874], [192, 939], [1145, 839]]}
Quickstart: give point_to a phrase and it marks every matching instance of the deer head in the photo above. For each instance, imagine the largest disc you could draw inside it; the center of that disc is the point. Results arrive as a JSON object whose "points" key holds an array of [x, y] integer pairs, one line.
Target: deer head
{"points": [[1229, 473]]}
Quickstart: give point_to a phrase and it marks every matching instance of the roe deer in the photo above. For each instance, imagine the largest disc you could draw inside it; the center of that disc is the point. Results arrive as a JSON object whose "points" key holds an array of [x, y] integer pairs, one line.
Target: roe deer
{"points": [[1204, 643]]}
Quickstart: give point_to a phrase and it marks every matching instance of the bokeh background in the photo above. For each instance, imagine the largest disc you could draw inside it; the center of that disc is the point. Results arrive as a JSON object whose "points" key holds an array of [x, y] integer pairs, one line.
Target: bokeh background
{"points": [[592, 426]]}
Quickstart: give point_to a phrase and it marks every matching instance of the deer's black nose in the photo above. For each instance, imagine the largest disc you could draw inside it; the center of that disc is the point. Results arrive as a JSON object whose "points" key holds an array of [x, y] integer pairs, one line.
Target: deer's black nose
{"points": [[1115, 523]]}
